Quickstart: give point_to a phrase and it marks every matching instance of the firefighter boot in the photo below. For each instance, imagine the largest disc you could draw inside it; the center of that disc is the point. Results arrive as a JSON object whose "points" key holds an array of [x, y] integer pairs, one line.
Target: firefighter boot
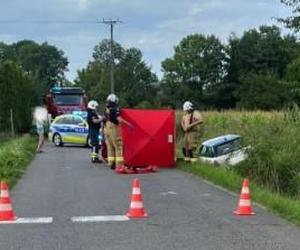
{"points": [[113, 166], [94, 154], [186, 158], [191, 154]]}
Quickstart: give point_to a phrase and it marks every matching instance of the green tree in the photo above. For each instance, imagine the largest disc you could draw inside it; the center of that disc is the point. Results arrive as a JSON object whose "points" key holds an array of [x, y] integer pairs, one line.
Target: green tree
{"points": [[292, 22], [16, 95], [261, 51], [101, 52], [261, 91], [197, 67], [94, 79], [133, 78], [292, 82], [43, 63]]}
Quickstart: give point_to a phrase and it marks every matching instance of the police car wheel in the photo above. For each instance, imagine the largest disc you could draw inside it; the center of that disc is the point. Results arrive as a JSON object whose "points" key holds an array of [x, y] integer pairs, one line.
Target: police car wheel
{"points": [[57, 140]]}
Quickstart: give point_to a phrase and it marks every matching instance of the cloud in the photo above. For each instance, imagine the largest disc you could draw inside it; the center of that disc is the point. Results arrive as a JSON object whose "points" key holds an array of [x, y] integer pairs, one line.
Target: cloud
{"points": [[199, 8], [153, 26]]}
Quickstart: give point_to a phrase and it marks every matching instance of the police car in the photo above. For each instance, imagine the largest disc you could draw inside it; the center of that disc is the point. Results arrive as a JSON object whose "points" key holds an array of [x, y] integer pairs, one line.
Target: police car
{"points": [[223, 150], [69, 128]]}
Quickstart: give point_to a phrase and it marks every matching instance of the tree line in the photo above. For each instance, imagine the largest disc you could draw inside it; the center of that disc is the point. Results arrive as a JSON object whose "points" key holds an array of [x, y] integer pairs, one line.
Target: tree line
{"points": [[27, 71], [258, 70]]}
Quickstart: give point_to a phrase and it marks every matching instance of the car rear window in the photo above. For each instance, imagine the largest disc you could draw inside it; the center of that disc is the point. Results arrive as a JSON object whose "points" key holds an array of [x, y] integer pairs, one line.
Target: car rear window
{"points": [[228, 147]]}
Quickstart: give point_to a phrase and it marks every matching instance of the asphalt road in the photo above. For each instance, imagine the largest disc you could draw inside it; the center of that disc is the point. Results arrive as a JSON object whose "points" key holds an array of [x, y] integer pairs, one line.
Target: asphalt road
{"points": [[184, 212]]}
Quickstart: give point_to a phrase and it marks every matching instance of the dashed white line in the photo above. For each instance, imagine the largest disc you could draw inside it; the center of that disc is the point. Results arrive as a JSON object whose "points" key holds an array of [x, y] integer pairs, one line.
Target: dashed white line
{"points": [[100, 218], [40, 220]]}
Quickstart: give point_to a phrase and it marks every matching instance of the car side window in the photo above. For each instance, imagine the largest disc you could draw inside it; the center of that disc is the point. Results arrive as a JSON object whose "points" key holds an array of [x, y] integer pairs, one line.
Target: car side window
{"points": [[64, 120], [60, 120], [206, 151], [76, 120]]}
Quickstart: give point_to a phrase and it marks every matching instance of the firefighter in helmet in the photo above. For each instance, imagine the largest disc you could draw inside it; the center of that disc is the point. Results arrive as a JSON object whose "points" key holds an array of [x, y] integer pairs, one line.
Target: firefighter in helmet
{"points": [[94, 121], [113, 137], [190, 123]]}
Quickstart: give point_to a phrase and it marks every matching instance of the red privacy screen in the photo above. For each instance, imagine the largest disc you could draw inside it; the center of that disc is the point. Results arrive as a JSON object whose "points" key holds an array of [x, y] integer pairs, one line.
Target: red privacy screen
{"points": [[151, 141]]}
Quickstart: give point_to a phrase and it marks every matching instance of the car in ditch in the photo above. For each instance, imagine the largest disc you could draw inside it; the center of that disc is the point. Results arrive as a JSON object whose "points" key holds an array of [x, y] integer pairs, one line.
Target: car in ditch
{"points": [[223, 150]]}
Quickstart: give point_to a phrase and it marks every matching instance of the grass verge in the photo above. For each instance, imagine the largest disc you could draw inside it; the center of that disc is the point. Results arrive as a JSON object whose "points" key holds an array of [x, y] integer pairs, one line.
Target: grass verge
{"points": [[286, 207], [15, 155]]}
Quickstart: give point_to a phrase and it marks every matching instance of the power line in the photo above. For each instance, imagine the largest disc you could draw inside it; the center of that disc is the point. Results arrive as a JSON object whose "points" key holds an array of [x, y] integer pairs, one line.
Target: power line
{"points": [[48, 22], [111, 22]]}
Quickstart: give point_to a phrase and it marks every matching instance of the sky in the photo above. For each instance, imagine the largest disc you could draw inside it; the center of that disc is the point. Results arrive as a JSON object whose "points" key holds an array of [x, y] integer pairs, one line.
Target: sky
{"points": [[153, 26]]}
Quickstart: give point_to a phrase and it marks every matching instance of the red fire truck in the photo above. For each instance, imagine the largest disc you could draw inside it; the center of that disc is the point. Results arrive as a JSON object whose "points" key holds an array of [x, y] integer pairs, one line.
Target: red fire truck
{"points": [[64, 100]]}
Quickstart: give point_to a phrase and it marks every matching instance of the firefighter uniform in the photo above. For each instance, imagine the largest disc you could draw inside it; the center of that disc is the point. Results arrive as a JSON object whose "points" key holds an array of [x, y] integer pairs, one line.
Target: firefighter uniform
{"points": [[93, 133], [191, 136], [113, 137]]}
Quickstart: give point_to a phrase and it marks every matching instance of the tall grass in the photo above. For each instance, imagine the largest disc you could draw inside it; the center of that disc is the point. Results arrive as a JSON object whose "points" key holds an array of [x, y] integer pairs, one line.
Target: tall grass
{"points": [[15, 155], [274, 156]]}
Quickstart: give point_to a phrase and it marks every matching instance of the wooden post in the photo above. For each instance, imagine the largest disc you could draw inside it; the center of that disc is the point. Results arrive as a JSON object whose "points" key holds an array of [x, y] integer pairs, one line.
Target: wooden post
{"points": [[12, 123]]}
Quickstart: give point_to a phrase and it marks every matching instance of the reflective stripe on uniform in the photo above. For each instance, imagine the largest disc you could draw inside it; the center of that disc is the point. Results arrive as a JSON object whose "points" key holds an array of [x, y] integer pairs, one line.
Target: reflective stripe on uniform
{"points": [[111, 158], [119, 159]]}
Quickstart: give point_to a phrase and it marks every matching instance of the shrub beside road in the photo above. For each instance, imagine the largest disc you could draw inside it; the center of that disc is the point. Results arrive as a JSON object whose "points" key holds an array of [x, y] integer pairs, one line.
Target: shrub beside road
{"points": [[15, 155]]}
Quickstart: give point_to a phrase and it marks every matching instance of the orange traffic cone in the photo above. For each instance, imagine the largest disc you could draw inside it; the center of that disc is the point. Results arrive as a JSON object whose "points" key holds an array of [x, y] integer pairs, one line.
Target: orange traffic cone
{"points": [[6, 211], [136, 209], [244, 206]]}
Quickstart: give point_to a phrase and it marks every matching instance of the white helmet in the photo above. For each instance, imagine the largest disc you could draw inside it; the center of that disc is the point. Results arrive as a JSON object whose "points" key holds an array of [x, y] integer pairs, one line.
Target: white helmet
{"points": [[112, 98], [188, 106], [93, 104]]}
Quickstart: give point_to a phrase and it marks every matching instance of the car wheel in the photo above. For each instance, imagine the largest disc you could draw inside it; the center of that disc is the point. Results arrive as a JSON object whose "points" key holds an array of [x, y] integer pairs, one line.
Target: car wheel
{"points": [[57, 140]]}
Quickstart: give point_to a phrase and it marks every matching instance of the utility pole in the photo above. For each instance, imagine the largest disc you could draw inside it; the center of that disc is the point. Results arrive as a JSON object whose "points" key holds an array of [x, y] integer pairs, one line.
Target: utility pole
{"points": [[111, 22]]}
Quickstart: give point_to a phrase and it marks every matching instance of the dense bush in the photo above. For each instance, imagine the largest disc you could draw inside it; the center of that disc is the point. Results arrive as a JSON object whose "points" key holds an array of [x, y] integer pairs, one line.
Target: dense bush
{"points": [[14, 157], [17, 96]]}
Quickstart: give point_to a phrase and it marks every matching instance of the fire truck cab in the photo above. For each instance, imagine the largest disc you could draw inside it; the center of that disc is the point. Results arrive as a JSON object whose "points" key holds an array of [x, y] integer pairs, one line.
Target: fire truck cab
{"points": [[65, 100]]}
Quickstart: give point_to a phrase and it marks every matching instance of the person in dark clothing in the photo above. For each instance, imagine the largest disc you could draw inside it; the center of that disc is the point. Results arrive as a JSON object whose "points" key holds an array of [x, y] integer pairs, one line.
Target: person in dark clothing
{"points": [[94, 121]]}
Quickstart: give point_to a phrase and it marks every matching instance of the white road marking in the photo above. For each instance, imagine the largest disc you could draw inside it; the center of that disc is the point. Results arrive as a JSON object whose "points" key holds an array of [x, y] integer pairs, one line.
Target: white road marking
{"points": [[206, 194], [168, 192], [100, 218], [41, 220]]}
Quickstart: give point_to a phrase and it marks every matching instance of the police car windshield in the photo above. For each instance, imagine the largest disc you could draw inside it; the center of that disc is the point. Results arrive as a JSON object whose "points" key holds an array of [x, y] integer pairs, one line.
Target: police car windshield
{"points": [[67, 99]]}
